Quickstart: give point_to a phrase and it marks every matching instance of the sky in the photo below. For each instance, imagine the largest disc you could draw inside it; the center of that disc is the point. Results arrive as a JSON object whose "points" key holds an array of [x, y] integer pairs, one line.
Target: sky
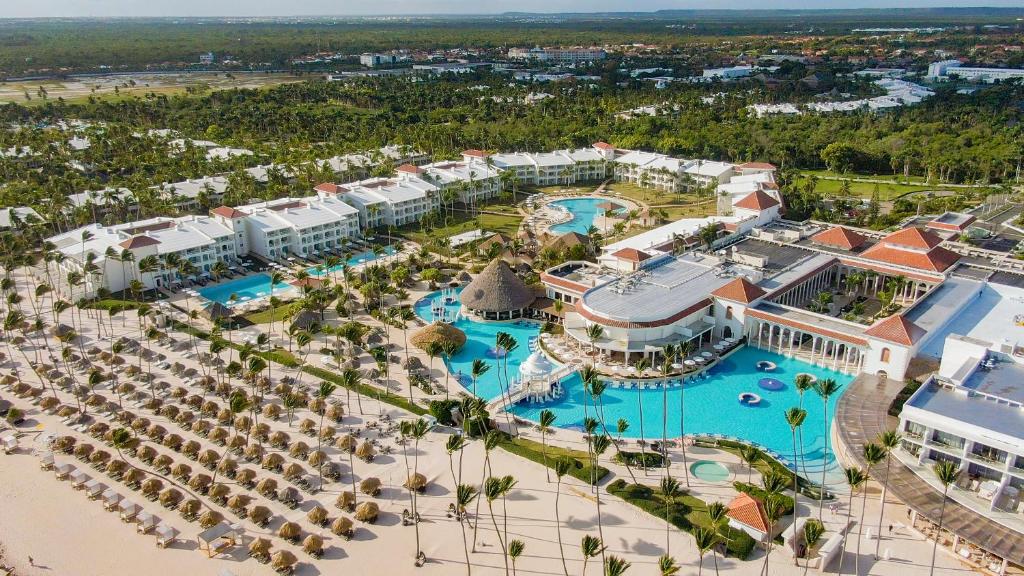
{"points": [[135, 8]]}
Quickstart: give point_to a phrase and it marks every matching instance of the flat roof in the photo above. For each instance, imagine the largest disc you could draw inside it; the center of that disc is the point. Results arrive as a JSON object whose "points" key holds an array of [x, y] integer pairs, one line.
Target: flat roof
{"points": [[995, 314], [944, 302], [669, 287], [816, 321], [658, 236], [976, 411]]}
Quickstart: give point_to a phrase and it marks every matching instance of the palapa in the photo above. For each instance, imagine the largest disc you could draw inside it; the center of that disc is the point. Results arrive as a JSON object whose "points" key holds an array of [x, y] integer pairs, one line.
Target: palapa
{"points": [[290, 531], [317, 515], [210, 518], [260, 515], [370, 486], [259, 548], [267, 487], [365, 451], [283, 560], [346, 500], [342, 526], [313, 545], [345, 442], [497, 289], [439, 332], [367, 512]]}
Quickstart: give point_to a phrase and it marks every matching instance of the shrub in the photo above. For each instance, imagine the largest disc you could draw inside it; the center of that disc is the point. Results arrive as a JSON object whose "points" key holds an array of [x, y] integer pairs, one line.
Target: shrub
{"points": [[580, 470], [15, 416], [910, 386], [645, 459], [760, 494], [442, 410]]}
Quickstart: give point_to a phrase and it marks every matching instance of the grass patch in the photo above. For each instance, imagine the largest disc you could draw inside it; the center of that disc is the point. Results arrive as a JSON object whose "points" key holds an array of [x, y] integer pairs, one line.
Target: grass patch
{"points": [[535, 451], [650, 195], [459, 222], [687, 513], [893, 187], [278, 314], [367, 390]]}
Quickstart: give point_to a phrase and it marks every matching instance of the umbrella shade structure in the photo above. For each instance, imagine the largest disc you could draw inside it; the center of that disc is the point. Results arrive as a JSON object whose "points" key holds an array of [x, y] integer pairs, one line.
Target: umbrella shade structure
{"points": [[267, 487], [345, 442], [416, 482], [497, 291], [346, 500], [260, 515], [370, 486], [365, 451], [260, 548], [439, 332], [216, 311], [367, 512], [283, 561], [216, 537], [290, 531], [170, 498], [317, 515], [210, 518], [342, 526], [313, 545], [190, 509]]}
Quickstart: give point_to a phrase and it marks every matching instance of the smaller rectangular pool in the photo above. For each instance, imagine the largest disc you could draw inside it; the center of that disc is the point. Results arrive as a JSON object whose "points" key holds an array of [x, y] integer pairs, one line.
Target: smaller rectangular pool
{"points": [[356, 259], [242, 290]]}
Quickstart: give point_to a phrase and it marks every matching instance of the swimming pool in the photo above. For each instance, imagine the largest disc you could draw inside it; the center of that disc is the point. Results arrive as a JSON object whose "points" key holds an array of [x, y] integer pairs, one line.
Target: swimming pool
{"points": [[355, 259], [480, 344], [709, 471], [246, 289], [583, 211], [712, 406]]}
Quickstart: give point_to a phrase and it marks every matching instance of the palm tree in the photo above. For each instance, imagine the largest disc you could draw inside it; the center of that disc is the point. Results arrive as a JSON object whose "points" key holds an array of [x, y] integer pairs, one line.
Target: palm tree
{"points": [[795, 418], [718, 516], [947, 472], [670, 490], [813, 531], [705, 539], [667, 565], [888, 440], [515, 550], [855, 478], [598, 445], [562, 467], [750, 455], [464, 496], [826, 389], [773, 510], [491, 439], [449, 348], [591, 547], [416, 430], [802, 383], [507, 344], [615, 566], [873, 454], [596, 386], [479, 369], [495, 488], [594, 333], [323, 393], [544, 424]]}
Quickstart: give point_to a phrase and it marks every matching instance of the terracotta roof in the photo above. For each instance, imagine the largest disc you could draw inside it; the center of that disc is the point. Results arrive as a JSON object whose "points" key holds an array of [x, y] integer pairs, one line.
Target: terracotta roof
{"points": [[308, 282], [631, 255], [896, 329], [139, 242], [913, 238], [228, 212], [409, 168], [604, 146], [475, 153], [749, 511], [757, 166], [328, 188], [839, 237], [935, 260], [740, 290], [757, 200]]}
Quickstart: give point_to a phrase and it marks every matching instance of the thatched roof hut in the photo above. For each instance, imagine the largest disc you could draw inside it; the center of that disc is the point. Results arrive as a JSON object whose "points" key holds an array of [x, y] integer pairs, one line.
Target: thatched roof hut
{"points": [[416, 482], [217, 311], [439, 332], [497, 293], [305, 320]]}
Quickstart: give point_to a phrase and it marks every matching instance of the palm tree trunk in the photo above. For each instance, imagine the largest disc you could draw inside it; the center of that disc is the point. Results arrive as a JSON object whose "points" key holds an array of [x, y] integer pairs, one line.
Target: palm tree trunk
{"points": [[849, 513], [881, 511], [938, 533], [501, 541], [860, 527], [558, 525], [796, 489]]}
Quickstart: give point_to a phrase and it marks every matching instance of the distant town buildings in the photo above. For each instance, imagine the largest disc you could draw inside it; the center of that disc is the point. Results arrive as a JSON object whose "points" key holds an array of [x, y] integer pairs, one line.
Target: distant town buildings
{"points": [[898, 93], [375, 60], [557, 56], [945, 69]]}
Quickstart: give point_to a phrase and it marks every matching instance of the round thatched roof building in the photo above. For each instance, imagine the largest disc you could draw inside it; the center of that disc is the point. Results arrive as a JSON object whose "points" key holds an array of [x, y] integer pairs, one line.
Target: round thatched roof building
{"points": [[497, 293], [439, 332]]}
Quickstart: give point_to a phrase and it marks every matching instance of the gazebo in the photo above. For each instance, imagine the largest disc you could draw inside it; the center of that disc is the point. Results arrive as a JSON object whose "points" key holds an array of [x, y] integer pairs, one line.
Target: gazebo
{"points": [[497, 293], [439, 332]]}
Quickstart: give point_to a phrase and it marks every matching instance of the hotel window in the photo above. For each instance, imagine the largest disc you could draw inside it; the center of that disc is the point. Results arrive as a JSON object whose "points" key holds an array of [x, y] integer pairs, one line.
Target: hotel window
{"points": [[885, 354], [728, 312]]}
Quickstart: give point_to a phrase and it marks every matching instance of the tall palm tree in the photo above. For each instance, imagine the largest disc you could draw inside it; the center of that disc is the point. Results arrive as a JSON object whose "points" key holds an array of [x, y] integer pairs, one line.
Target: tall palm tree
{"points": [[478, 369], [873, 454], [718, 514], [773, 511], [642, 365], [889, 441], [947, 472], [825, 388], [706, 539], [795, 418], [495, 488], [598, 445], [464, 496], [491, 439], [544, 423], [855, 479], [416, 430], [506, 343], [802, 383], [670, 490], [615, 566], [323, 392], [596, 387], [591, 547], [667, 565], [562, 467], [515, 550], [750, 455]]}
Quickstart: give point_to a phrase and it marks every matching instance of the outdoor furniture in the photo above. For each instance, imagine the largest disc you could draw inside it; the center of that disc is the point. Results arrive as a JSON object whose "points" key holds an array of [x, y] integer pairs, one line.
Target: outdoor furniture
{"points": [[129, 510], [111, 499], [62, 471], [10, 444], [217, 539], [165, 535], [94, 489], [78, 479], [46, 461], [145, 522]]}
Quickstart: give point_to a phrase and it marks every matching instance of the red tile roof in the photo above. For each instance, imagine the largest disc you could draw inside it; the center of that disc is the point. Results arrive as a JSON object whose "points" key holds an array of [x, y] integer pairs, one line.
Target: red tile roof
{"points": [[740, 290], [409, 168], [327, 188], [631, 255], [757, 200], [604, 146], [949, 227], [896, 329], [839, 237], [913, 238], [139, 242], [475, 153], [758, 166], [934, 260], [228, 212], [748, 511]]}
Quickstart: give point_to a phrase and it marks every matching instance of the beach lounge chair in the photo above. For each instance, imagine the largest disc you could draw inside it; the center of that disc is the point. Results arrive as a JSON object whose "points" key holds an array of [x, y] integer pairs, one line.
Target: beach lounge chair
{"points": [[145, 522], [62, 471], [129, 510], [165, 535], [46, 461], [111, 499], [10, 444], [78, 479]]}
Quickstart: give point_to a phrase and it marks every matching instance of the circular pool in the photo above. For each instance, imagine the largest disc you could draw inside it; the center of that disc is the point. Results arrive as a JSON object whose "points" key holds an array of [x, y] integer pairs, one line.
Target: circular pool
{"points": [[709, 471]]}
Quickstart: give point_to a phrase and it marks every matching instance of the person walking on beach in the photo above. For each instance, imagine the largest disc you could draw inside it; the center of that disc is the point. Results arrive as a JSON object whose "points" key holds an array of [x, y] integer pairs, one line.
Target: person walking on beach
{"points": [[31, 561]]}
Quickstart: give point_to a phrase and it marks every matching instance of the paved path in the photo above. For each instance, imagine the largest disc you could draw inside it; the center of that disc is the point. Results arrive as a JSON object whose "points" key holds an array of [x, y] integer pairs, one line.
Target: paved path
{"points": [[861, 415]]}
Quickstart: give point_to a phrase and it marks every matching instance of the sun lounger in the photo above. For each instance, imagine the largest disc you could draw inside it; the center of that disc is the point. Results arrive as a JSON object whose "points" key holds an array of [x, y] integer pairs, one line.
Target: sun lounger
{"points": [[145, 522], [63, 471], [46, 461], [165, 535], [129, 510]]}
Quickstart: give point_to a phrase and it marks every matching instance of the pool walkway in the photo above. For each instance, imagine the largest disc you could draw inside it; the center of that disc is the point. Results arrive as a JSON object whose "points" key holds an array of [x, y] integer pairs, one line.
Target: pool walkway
{"points": [[861, 415]]}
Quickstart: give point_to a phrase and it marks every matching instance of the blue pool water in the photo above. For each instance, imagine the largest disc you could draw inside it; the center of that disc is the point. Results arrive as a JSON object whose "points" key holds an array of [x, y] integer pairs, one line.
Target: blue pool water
{"points": [[711, 406], [583, 211], [361, 258], [480, 344], [252, 287]]}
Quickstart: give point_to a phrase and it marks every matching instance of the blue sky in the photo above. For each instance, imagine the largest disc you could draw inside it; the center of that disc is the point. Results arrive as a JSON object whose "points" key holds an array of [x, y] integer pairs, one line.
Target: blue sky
{"points": [[70, 8]]}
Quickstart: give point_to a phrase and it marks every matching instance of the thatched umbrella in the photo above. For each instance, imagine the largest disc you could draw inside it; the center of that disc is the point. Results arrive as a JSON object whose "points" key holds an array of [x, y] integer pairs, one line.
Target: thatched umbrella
{"points": [[290, 531], [334, 412], [245, 477], [139, 424], [238, 502], [99, 458], [253, 452], [261, 430], [146, 454], [292, 471], [152, 486], [345, 442], [173, 441], [307, 426], [259, 515], [267, 487], [210, 408], [201, 427], [236, 443], [218, 435], [181, 471], [318, 515], [416, 482], [272, 461], [190, 509], [346, 500], [299, 450], [65, 411], [259, 548], [156, 432], [116, 468], [194, 402], [210, 518], [191, 449], [224, 416], [313, 545], [209, 458], [218, 492], [279, 439], [242, 422], [82, 451], [327, 433], [343, 527], [272, 411], [49, 403], [200, 482], [170, 498], [440, 332], [185, 418], [170, 411], [317, 458], [367, 512], [163, 462], [284, 561], [316, 405], [98, 429], [134, 476], [370, 486], [365, 451], [227, 467]]}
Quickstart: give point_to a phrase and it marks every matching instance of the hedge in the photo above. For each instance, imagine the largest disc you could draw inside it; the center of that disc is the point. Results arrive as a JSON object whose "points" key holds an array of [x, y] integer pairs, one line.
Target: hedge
{"points": [[368, 391], [530, 450], [442, 410], [687, 514], [648, 459], [760, 494]]}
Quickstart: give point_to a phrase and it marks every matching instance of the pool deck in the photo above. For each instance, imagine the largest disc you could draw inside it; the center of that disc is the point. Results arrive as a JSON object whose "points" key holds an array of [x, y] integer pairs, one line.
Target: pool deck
{"points": [[861, 415]]}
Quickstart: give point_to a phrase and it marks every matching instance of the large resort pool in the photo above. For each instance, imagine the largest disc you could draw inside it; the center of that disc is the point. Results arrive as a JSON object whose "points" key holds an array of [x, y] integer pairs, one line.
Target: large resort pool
{"points": [[242, 290], [583, 211]]}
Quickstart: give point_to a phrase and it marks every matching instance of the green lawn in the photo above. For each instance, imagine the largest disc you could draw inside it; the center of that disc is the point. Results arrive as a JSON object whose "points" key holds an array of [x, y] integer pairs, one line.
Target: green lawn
{"points": [[649, 195], [279, 314], [507, 223], [890, 190]]}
